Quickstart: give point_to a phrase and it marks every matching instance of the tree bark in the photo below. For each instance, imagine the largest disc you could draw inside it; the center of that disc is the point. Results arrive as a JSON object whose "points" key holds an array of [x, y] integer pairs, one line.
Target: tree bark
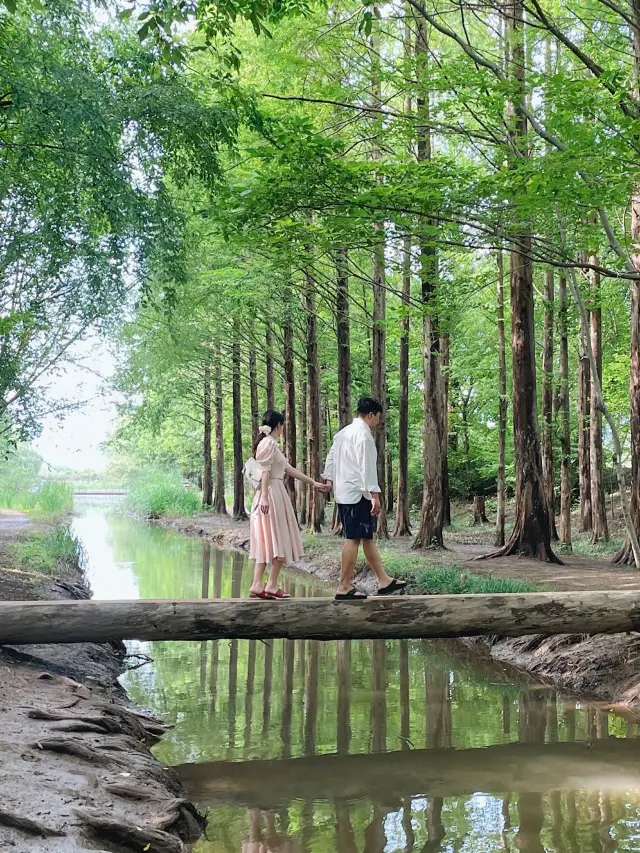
{"points": [[565, 419], [303, 490], [253, 387], [219, 501], [429, 533], [207, 477], [268, 357], [531, 533], [502, 409], [345, 413], [445, 357], [479, 510], [391, 618], [390, 494], [290, 436], [239, 510], [403, 523], [313, 382], [599, 529], [547, 399]]}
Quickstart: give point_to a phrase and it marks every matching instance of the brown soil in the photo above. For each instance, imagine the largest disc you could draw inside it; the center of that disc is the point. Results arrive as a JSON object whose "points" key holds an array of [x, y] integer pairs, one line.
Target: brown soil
{"points": [[77, 773], [604, 667]]}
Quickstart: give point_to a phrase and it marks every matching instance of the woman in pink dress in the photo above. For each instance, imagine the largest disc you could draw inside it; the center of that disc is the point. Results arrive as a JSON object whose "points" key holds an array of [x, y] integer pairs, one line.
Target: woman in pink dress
{"points": [[274, 532]]}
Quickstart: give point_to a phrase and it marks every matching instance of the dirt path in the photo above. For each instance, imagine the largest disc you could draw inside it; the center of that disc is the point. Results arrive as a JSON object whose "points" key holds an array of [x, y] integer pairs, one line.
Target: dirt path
{"points": [[77, 773]]}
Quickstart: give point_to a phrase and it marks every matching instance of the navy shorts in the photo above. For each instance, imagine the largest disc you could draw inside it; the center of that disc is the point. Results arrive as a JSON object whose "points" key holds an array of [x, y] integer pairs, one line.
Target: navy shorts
{"points": [[357, 521]]}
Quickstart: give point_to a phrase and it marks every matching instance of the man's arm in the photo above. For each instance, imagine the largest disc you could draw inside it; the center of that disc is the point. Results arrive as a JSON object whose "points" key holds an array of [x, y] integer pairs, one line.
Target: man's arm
{"points": [[329, 466]]}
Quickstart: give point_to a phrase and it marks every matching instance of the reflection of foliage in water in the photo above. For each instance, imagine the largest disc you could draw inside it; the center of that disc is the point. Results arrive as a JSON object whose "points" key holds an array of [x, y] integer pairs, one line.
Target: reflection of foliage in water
{"points": [[227, 706]]}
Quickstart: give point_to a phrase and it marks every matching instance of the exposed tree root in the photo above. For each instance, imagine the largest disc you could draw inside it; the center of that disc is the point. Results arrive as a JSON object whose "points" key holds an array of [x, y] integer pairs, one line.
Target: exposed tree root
{"points": [[113, 720], [67, 746], [30, 827], [178, 815]]}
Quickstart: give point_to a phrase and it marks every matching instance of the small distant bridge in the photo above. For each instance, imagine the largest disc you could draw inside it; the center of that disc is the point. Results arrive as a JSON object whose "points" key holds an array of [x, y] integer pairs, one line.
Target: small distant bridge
{"points": [[99, 492], [393, 618]]}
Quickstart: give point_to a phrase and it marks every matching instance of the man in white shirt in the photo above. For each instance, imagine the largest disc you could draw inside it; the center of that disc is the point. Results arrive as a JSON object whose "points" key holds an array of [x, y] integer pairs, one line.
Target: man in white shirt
{"points": [[351, 470]]}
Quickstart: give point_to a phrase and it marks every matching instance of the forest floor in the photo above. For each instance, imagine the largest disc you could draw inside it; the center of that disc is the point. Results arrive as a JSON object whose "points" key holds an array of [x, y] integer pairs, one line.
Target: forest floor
{"points": [[77, 773], [604, 666]]}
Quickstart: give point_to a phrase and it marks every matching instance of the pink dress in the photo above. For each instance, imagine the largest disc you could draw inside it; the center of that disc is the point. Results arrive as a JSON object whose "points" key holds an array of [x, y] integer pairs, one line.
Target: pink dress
{"points": [[277, 534]]}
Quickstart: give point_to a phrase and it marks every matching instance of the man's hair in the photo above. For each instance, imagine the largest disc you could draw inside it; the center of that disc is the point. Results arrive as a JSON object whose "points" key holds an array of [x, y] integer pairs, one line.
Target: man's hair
{"points": [[369, 406]]}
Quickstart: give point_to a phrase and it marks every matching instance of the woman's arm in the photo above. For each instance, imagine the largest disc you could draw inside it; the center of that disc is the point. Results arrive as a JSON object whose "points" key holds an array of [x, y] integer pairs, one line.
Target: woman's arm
{"points": [[298, 475], [264, 492]]}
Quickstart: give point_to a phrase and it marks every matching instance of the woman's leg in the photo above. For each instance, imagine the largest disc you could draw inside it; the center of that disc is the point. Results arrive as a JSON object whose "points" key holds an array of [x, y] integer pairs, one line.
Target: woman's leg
{"points": [[276, 568], [257, 584]]}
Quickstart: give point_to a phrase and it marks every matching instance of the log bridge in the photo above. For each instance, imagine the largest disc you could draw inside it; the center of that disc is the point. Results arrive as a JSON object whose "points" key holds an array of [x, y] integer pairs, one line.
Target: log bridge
{"points": [[393, 618]]}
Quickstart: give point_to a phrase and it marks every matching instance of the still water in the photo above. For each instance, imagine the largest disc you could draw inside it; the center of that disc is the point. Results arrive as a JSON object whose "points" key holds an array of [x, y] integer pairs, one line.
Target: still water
{"points": [[361, 747]]}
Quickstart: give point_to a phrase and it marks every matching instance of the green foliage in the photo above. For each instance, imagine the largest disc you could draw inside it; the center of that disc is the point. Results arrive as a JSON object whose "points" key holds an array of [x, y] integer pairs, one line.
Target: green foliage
{"points": [[157, 493], [49, 553], [20, 487], [449, 579]]}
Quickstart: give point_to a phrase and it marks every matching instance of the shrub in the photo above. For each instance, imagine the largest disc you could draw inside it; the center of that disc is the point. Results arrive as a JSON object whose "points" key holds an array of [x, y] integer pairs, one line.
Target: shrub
{"points": [[51, 500], [154, 494], [49, 552]]}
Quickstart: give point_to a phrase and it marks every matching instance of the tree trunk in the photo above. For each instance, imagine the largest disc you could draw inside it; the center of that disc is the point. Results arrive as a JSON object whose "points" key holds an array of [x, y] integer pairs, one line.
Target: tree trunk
{"points": [[268, 356], [531, 533], [547, 399], [303, 490], [219, 501], [391, 618], [445, 355], [429, 533], [313, 381], [290, 437], [403, 524], [207, 477], [502, 409], [253, 387], [565, 436], [239, 510], [345, 414], [584, 433], [600, 529], [389, 479], [479, 510], [625, 555]]}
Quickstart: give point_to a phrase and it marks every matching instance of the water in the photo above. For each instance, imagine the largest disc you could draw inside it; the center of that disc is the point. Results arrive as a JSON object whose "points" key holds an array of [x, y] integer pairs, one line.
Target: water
{"points": [[361, 747]]}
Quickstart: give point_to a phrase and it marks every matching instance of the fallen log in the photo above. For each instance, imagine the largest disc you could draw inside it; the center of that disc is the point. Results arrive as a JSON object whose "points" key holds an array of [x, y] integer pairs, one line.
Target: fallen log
{"points": [[608, 765], [403, 617]]}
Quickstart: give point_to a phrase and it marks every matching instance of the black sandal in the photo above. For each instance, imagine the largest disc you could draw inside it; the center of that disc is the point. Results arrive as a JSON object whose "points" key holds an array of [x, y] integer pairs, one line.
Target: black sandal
{"points": [[352, 595], [394, 586]]}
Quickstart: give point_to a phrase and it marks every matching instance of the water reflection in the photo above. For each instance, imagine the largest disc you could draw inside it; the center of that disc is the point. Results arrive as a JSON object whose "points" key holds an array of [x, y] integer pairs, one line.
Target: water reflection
{"points": [[364, 746]]}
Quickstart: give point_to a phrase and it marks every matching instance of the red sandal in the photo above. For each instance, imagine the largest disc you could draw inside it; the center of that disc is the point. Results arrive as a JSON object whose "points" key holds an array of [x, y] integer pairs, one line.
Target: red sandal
{"points": [[279, 593], [263, 595]]}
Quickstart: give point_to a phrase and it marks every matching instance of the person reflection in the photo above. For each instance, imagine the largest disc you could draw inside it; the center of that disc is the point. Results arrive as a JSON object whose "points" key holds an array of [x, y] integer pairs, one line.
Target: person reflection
{"points": [[264, 837]]}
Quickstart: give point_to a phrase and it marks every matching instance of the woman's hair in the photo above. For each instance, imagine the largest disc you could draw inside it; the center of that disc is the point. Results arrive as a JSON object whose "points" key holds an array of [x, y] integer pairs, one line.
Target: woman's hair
{"points": [[272, 419]]}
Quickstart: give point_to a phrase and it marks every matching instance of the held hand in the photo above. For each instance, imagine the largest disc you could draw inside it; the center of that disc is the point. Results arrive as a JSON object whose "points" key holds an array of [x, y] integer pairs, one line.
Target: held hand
{"points": [[325, 488], [376, 508], [264, 505]]}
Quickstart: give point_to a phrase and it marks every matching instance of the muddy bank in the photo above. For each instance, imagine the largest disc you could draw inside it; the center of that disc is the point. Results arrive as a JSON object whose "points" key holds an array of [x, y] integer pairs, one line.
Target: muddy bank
{"points": [[77, 771], [604, 667]]}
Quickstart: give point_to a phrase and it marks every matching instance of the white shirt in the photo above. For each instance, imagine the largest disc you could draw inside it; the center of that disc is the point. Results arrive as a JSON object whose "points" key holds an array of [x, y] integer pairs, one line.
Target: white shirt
{"points": [[352, 464]]}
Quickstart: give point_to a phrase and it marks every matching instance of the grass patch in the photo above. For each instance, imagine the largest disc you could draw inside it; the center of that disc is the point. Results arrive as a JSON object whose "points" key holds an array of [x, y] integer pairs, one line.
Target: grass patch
{"points": [[450, 579], [582, 545], [159, 493], [50, 501], [49, 552]]}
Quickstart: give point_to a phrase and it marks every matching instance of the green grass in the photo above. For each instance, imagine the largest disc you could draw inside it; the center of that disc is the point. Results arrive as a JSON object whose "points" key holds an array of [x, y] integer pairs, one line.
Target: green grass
{"points": [[49, 552], [160, 493], [50, 501], [449, 579], [582, 545]]}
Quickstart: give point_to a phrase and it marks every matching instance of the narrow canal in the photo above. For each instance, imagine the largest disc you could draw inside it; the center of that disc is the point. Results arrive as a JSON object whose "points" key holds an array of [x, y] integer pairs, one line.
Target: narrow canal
{"points": [[361, 747]]}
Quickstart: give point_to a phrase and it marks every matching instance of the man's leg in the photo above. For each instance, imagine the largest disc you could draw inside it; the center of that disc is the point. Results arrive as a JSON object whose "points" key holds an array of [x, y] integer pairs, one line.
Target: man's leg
{"points": [[349, 560], [373, 558]]}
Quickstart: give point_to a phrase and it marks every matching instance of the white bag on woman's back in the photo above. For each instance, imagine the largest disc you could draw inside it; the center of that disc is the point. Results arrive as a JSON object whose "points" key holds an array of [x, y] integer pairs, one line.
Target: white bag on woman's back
{"points": [[253, 473]]}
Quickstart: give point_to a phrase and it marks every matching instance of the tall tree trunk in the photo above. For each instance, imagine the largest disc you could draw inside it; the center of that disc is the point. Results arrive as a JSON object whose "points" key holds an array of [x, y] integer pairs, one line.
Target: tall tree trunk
{"points": [[344, 339], [403, 524], [584, 432], [547, 398], [290, 436], [565, 434], [429, 533], [502, 408], [253, 387], [269, 368], [239, 510], [313, 382], [531, 533], [219, 502], [303, 490], [390, 494], [207, 477], [600, 529], [379, 360], [625, 555], [445, 357]]}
